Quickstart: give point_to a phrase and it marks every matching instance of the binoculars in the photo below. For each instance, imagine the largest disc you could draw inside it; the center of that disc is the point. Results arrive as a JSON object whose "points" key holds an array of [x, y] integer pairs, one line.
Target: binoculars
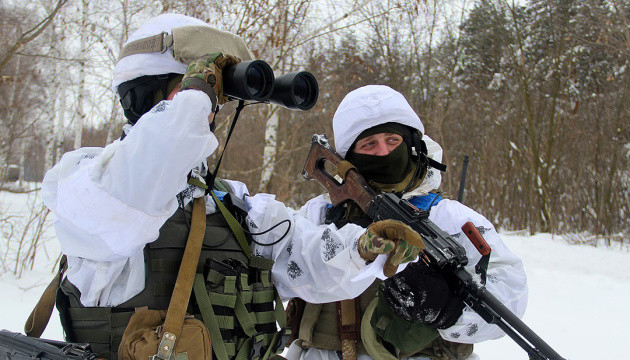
{"points": [[254, 80]]}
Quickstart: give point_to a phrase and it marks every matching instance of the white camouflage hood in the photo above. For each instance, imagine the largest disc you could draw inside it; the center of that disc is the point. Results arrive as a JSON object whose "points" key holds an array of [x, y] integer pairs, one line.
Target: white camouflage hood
{"points": [[374, 105]]}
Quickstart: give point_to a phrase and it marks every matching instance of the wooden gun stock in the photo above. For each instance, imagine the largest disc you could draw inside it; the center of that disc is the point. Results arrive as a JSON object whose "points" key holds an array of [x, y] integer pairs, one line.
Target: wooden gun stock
{"points": [[341, 180]]}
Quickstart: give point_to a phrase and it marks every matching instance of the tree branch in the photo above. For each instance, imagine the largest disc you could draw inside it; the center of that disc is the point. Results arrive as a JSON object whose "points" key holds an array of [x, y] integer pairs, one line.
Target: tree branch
{"points": [[30, 34]]}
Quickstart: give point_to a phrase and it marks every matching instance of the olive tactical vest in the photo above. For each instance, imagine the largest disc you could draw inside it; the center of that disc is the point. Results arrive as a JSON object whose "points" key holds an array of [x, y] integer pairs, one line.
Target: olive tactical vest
{"points": [[231, 278], [319, 323]]}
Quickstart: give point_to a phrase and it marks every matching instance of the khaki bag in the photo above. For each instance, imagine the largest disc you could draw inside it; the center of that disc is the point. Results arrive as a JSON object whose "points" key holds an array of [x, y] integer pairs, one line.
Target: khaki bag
{"points": [[171, 334], [144, 331]]}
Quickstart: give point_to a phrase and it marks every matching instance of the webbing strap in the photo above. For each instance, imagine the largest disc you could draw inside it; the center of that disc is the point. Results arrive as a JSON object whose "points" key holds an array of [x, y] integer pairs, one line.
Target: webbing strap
{"points": [[215, 277], [209, 319], [265, 317], [39, 317], [281, 315], [244, 317], [224, 300], [244, 351], [234, 225], [265, 278], [156, 43], [260, 262], [181, 293], [263, 296]]}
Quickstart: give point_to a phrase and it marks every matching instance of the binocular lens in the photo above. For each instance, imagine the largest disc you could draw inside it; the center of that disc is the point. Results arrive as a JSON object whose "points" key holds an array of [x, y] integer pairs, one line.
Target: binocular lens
{"points": [[297, 90], [302, 90], [254, 81], [248, 80]]}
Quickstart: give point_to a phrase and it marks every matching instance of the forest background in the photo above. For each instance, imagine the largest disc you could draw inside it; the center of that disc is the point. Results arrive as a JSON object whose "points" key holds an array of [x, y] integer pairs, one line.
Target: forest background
{"points": [[537, 93]]}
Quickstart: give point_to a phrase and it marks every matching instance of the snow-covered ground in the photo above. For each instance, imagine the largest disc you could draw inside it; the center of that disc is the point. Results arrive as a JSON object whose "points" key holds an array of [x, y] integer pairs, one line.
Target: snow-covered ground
{"points": [[578, 303]]}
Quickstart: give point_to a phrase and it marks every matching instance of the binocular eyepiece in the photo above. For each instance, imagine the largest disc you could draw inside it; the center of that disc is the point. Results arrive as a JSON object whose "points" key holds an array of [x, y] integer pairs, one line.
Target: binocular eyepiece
{"points": [[254, 80]]}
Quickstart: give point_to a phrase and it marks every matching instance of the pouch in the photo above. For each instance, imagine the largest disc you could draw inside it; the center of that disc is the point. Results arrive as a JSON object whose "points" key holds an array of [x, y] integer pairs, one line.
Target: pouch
{"points": [[142, 337]]}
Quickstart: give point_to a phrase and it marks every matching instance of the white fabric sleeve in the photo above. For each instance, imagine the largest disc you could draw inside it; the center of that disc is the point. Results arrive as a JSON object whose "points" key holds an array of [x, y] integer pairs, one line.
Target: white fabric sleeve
{"points": [[108, 203], [318, 263], [506, 278]]}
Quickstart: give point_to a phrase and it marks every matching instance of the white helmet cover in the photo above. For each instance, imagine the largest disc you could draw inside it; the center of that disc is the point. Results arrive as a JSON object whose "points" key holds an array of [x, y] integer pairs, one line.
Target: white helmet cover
{"points": [[137, 65]]}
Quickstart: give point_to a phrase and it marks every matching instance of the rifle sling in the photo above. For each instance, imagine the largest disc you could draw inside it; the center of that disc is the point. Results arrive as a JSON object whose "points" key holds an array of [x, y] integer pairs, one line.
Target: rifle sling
{"points": [[348, 323], [185, 277], [39, 317]]}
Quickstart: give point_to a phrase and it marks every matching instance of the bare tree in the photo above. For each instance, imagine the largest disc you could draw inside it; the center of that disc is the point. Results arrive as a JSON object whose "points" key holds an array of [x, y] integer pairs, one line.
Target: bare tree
{"points": [[30, 34]]}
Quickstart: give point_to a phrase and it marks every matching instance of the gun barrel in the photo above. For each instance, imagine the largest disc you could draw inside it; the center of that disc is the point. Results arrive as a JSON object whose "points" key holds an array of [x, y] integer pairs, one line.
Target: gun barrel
{"points": [[494, 312]]}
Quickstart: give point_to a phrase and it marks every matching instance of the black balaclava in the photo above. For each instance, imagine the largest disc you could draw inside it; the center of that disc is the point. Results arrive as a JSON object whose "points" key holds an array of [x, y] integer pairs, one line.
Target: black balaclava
{"points": [[388, 169]]}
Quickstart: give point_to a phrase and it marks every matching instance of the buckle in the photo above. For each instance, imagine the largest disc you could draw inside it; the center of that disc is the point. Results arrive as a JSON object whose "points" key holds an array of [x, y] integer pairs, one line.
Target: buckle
{"points": [[166, 41], [283, 339], [257, 346]]}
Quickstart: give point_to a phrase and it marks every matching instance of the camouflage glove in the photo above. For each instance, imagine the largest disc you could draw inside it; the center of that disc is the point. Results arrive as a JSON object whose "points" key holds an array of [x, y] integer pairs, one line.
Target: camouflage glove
{"points": [[206, 74], [391, 237]]}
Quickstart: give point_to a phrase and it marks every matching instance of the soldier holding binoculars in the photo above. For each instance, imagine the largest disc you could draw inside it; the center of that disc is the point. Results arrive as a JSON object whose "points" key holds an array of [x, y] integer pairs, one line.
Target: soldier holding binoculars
{"points": [[123, 211]]}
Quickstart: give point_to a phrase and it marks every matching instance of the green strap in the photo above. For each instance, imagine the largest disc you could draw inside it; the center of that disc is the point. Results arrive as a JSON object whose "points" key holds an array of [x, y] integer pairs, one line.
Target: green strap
{"points": [[198, 183], [244, 317], [263, 296], [209, 319], [260, 262], [221, 185], [281, 315], [244, 282], [243, 352], [282, 321], [225, 300], [234, 225]]}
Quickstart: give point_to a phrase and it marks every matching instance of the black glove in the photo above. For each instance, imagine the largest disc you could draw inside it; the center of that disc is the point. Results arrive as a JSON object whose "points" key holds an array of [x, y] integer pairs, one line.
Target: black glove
{"points": [[420, 294]]}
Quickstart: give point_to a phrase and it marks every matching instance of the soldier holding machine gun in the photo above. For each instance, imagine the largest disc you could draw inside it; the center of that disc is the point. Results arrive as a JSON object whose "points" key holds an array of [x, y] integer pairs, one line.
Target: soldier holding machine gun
{"points": [[415, 314], [128, 214]]}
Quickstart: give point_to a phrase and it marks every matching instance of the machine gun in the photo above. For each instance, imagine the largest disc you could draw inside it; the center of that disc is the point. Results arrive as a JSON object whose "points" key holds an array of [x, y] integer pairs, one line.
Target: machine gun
{"points": [[14, 346], [442, 252]]}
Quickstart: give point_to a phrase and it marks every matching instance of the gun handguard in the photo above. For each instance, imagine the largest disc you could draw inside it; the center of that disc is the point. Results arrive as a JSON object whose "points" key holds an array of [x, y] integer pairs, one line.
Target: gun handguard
{"points": [[442, 252]]}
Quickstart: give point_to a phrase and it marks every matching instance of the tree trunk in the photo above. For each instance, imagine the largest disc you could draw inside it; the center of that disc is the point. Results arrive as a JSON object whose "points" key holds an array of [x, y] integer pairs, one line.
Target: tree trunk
{"points": [[270, 151], [80, 118]]}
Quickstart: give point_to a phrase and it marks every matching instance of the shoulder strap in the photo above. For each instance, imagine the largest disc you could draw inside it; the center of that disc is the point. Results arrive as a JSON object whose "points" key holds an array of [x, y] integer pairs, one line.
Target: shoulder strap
{"points": [[348, 315], [185, 277], [37, 321], [236, 227]]}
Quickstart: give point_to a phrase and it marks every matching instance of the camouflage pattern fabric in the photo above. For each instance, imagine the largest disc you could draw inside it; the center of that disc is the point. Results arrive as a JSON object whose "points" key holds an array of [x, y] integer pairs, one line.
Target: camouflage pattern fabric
{"points": [[441, 349], [390, 237], [206, 74]]}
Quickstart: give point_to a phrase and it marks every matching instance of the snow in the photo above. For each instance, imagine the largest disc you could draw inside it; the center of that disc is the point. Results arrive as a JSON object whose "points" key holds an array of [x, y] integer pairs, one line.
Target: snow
{"points": [[578, 299]]}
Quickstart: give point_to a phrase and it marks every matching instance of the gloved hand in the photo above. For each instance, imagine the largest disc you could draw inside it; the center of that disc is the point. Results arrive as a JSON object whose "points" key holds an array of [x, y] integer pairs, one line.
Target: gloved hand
{"points": [[391, 237], [421, 294], [206, 74]]}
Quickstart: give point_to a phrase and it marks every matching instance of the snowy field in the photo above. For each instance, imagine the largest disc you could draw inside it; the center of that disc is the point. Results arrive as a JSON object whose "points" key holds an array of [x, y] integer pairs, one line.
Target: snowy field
{"points": [[579, 295]]}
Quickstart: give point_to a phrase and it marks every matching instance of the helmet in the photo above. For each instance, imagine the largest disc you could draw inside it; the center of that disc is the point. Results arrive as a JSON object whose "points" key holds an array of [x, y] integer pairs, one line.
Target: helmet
{"points": [[157, 54], [138, 76], [152, 63]]}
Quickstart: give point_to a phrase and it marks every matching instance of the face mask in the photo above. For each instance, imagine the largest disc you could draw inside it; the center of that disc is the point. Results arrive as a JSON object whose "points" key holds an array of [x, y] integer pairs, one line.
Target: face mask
{"points": [[389, 169]]}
